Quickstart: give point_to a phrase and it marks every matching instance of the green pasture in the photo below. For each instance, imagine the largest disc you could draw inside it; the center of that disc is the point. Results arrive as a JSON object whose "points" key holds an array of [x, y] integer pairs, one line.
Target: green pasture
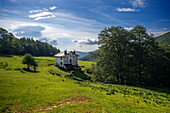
{"points": [[51, 89]]}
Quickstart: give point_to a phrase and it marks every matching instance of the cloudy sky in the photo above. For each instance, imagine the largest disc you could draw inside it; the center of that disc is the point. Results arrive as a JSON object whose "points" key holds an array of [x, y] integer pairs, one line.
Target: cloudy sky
{"points": [[75, 24]]}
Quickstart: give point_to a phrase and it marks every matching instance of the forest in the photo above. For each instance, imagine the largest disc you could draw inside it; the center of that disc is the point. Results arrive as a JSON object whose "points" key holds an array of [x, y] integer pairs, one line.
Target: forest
{"points": [[10, 45], [131, 57]]}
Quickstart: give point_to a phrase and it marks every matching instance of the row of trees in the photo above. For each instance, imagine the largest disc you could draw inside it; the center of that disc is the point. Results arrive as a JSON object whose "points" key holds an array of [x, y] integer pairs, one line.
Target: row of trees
{"points": [[131, 57], [9, 44]]}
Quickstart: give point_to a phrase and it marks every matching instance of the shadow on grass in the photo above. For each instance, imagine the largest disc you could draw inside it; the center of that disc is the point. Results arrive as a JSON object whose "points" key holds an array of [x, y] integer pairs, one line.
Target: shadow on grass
{"points": [[28, 70], [77, 73], [82, 75], [155, 89]]}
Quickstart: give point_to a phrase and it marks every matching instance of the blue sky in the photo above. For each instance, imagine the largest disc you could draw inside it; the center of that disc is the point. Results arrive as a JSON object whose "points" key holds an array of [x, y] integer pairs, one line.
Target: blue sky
{"points": [[75, 24]]}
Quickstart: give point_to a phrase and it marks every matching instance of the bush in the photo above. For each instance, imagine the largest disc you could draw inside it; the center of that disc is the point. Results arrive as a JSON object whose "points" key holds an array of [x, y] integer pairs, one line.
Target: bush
{"points": [[3, 65], [88, 70]]}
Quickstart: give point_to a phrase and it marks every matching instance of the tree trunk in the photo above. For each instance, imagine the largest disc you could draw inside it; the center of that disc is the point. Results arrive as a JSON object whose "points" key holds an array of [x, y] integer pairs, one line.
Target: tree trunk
{"points": [[28, 67], [34, 68], [140, 75], [117, 79]]}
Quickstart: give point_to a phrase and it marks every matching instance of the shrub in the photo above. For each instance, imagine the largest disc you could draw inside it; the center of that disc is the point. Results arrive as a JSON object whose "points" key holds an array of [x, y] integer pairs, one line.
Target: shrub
{"points": [[88, 70], [3, 64]]}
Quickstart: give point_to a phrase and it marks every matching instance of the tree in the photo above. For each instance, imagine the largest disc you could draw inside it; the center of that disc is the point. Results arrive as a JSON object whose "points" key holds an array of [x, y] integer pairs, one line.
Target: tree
{"points": [[131, 57], [113, 55], [29, 60]]}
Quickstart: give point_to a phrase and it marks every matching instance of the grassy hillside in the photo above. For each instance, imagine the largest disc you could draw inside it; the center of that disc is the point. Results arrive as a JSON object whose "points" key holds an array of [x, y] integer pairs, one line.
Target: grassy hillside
{"points": [[51, 90], [164, 38]]}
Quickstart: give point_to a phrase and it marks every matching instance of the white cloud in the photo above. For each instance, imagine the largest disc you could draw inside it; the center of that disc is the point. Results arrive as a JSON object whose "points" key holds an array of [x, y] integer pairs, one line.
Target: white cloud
{"points": [[35, 11], [45, 9], [159, 33], [22, 32], [53, 7], [138, 3], [40, 14], [86, 44], [128, 28], [39, 18], [85, 41], [65, 26], [126, 10]]}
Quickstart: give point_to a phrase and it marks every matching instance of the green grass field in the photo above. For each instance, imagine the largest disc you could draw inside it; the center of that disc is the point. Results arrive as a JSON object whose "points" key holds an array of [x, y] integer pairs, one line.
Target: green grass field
{"points": [[50, 90]]}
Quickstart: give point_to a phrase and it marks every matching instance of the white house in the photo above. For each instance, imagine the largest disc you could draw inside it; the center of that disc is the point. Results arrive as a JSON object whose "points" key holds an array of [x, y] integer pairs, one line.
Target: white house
{"points": [[67, 60]]}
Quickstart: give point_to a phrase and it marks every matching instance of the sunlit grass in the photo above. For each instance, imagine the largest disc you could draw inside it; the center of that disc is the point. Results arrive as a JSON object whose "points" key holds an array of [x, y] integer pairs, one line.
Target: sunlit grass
{"points": [[29, 91]]}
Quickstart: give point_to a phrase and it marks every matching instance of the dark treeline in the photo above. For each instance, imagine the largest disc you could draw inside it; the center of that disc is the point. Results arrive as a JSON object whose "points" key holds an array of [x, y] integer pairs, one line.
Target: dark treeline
{"points": [[131, 57], [11, 45]]}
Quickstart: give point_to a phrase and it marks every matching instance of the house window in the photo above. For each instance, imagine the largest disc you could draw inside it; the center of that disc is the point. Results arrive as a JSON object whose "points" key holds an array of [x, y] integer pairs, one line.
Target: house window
{"points": [[70, 60], [61, 58], [61, 63], [73, 57]]}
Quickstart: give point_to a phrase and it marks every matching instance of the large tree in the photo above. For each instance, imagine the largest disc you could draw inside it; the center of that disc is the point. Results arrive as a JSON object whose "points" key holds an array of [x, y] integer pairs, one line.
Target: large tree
{"points": [[131, 57], [140, 38], [113, 55]]}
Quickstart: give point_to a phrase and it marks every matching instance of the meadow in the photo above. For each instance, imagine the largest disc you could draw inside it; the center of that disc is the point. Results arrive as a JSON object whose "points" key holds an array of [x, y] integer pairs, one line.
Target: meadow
{"points": [[51, 89]]}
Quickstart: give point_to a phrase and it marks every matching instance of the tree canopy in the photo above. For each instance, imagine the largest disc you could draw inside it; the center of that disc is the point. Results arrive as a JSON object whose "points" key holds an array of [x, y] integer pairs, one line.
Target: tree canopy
{"points": [[131, 57], [29, 60]]}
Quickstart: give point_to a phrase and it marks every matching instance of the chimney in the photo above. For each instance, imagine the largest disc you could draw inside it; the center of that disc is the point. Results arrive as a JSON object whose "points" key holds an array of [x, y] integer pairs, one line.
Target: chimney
{"points": [[65, 52], [74, 52]]}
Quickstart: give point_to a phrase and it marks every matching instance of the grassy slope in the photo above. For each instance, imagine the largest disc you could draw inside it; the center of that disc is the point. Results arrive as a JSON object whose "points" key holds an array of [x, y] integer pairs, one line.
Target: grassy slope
{"points": [[29, 91], [164, 38]]}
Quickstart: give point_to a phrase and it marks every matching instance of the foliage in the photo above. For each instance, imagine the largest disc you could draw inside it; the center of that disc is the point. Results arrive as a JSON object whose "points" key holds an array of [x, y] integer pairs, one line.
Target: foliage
{"points": [[11, 45], [131, 57], [88, 70]]}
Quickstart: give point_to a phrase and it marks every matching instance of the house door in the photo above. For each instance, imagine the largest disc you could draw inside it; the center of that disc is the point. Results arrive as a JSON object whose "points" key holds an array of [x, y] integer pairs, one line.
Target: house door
{"points": [[70, 60]]}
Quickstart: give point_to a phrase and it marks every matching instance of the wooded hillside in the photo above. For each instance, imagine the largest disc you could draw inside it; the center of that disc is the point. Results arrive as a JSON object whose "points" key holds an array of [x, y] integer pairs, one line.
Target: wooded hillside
{"points": [[11, 45]]}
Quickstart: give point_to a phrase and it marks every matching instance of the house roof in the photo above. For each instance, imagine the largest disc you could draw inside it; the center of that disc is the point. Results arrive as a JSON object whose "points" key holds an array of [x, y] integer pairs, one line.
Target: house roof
{"points": [[62, 53]]}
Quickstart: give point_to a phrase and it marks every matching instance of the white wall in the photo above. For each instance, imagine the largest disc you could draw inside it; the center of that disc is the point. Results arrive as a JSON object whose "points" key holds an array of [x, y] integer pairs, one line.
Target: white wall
{"points": [[58, 61]]}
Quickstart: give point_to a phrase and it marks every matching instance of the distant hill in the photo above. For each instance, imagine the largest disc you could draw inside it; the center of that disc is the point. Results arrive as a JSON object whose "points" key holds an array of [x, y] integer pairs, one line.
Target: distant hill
{"points": [[164, 38], [89, 57], [82, 54]]}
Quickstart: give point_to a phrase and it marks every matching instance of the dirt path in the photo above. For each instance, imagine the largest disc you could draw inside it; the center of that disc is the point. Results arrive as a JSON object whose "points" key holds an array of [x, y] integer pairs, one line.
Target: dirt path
{"points": [[79, 99]]}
